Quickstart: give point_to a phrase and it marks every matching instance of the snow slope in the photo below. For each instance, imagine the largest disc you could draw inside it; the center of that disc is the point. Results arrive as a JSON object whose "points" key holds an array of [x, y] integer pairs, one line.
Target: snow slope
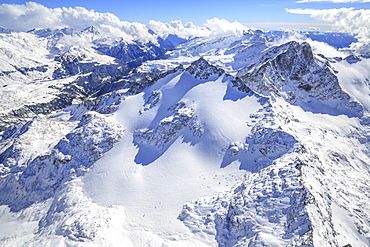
{"points": [[249, 140], [152, 179]]}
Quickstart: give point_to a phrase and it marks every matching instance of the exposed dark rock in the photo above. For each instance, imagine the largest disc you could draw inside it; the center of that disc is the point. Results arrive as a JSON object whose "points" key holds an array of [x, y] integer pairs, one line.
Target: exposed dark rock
{"points": [[203, 70], [292, 71], [71, 157]]}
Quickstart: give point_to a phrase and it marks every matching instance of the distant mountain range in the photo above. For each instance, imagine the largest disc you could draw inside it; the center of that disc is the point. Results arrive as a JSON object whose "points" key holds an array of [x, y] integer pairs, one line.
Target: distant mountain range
{"points": [[260, 139]]}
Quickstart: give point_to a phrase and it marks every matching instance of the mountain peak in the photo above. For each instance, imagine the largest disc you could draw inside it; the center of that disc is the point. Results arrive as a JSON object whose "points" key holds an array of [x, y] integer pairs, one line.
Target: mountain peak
{"points": [[103, 141], [92, 29], [202, 69], [291, 70]]}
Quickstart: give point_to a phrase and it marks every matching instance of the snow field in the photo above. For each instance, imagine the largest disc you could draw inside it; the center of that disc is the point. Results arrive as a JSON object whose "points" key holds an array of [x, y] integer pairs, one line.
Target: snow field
{"points": [[153, 195]]}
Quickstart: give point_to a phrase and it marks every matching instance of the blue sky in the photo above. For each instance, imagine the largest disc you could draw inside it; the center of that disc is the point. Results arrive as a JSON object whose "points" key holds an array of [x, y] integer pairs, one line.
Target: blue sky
{"points": [[262, 13]]}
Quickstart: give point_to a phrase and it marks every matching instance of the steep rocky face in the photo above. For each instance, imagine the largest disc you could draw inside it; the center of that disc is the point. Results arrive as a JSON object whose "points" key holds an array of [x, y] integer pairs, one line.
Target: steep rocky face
{"points": [[71, 64], [293, 72], [271, 196], [61, 96], [182, 116], [203, 70], [36, 177], [277, 156], [45, 62], [248, 214], [132, 53], [38, 157]]}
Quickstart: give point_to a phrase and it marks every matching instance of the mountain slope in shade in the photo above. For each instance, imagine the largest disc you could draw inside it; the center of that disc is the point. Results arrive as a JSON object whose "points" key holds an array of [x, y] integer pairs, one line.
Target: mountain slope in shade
{"points": [[256, 140]]}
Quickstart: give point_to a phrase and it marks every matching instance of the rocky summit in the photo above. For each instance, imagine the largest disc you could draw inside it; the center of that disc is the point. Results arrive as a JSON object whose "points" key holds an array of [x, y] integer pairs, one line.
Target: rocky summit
{"points": [[257, 139]]}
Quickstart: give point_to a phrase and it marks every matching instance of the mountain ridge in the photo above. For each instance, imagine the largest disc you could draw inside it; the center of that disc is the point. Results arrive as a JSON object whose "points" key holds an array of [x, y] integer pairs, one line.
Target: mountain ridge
{"points": [[245, 140]]}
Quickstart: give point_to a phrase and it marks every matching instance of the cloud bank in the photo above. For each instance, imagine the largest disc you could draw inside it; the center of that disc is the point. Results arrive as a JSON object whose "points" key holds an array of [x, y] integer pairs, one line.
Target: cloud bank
{"points": [[33, 15], [22, 17], [344, 20]]}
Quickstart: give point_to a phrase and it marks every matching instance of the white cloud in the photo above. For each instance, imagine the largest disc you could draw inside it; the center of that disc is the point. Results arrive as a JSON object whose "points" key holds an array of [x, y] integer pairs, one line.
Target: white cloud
{"points": [[344, 19], [212, 27], [33, 15], [80, 18], [27, 16], [178, 28], [224, 27], [335, 1], [325, 49]]}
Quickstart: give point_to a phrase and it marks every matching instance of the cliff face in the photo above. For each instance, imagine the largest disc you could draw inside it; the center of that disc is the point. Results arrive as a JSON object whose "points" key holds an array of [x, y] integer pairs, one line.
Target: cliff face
{"points": [[226, 141], [293, 72]]}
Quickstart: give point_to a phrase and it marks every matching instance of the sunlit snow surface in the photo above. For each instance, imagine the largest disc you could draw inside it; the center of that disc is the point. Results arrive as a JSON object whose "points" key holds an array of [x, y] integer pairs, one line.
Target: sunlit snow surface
{"points": [[187, 161], [189, 167]]}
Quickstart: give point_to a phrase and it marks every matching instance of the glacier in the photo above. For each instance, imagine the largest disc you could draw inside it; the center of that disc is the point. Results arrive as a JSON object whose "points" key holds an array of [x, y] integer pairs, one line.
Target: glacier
{"points": [[259, 139]]}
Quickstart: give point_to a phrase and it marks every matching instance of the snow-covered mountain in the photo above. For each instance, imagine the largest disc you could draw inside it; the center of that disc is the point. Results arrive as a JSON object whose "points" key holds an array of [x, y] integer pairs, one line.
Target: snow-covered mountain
{"points": [[260, 139]]}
